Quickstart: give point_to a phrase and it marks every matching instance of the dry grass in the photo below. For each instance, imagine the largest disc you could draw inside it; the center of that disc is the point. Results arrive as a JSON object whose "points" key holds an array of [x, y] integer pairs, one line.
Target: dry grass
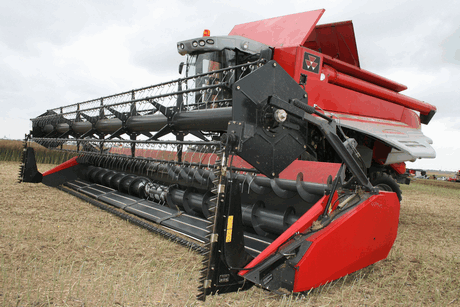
{"points": [[56, 250], [11, 150], [439, 184]]}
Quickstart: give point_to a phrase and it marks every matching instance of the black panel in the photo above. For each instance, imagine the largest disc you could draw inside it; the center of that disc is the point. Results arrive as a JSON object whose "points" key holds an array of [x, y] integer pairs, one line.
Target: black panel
{"points": [[95, 190], [77, 184], [255, 244], [425, 119], [179, 221], [119, 200], [30, 172], [63, 176], [268, 145]]}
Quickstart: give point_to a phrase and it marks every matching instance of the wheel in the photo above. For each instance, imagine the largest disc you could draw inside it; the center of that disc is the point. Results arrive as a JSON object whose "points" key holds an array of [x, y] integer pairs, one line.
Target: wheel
{"points": [[384, 182]]}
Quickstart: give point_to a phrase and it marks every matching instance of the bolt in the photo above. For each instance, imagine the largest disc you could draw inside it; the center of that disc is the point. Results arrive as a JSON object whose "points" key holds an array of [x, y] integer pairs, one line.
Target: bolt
{"points": [[280, 115], [238, 87], [274, 64], [305, 96], [273, 174]]}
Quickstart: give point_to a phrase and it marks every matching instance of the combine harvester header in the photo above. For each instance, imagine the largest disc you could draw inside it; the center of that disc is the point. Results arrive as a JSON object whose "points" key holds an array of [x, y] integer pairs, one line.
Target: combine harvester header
{"points": [[283, 162]]}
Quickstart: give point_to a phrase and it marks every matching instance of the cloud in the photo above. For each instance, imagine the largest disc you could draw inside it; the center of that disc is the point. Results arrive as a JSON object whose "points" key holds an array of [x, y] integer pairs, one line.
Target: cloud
{"points": [[24, 23], [435, 88], [153, 44], [450, 48], [445, 135]]}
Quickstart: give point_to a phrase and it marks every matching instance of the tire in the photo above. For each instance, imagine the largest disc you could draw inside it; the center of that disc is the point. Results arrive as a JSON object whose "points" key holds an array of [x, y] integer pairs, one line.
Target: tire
{"points": [[384, 182]]}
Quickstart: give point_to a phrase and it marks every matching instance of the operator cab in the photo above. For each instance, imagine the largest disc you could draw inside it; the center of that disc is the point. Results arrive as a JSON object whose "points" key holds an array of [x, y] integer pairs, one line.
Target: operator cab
{"points": [[216, 53]]}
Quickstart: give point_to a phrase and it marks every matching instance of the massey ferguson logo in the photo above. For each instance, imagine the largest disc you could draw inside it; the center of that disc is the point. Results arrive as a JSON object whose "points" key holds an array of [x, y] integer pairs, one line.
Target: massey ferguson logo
{"points": [[311, 62]]}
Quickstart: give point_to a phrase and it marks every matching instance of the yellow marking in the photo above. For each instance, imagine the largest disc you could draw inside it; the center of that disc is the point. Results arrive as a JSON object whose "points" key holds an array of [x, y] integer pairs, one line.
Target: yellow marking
{"points": [[228, 239]]}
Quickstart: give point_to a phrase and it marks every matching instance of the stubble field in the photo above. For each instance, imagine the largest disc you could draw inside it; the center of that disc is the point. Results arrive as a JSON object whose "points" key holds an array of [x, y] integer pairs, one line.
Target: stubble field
{"points": [[56, 250]]}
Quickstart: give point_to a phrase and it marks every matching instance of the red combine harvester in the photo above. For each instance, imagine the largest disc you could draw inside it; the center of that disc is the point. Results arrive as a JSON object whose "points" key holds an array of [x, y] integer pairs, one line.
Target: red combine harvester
{"points": [[456, 178], [274, 156]]}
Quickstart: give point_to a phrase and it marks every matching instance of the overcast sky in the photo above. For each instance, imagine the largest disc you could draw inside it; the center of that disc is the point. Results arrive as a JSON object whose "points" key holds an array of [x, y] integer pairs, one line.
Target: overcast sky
{"points": [[55, 53]]}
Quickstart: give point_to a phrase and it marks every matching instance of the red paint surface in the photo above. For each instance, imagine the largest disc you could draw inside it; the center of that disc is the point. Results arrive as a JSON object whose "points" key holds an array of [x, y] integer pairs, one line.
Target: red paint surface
{"points": [[334, 98], [344, 80], [62, 166], [358, 238], [355, 240], [338, 99], [380, 152], [356, 91], [316, 172], [286, 31], [363, 74], [336, 40], [286, 57], [399, 168]]}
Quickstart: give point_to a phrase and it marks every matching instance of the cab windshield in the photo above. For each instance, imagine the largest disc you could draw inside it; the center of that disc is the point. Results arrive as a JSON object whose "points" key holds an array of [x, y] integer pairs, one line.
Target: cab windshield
{"points": [[198, 64]]}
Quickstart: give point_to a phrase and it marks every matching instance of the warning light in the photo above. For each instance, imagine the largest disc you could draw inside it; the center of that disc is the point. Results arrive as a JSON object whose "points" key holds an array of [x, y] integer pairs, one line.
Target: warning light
{"points": [[206, 33]]}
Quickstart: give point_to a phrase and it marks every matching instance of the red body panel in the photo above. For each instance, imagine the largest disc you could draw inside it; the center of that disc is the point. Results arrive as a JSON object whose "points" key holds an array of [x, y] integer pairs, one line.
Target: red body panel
{"points": [[363, 74], [335, 39], [365, 87], [316, 172], [334, 98], [380, 152], [399, 168], [360, 237], [286, 57], [286, 31]]}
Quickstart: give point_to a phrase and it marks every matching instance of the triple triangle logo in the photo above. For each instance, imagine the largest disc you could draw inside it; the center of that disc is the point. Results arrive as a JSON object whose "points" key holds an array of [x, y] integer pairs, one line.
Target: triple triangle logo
{"points": [[311, 62]]}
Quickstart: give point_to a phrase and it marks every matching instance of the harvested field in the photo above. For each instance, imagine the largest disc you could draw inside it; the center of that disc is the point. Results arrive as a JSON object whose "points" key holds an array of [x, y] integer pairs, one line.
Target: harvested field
{"points": [[439, 183], [56, 250]]}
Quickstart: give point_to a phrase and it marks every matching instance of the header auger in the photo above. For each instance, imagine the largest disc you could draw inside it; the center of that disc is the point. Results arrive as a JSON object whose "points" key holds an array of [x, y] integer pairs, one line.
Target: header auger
{"points": [[262, 157]]}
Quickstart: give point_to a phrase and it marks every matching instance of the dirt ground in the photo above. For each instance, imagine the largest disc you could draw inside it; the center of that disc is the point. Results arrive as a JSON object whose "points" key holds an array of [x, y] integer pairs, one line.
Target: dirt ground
{"points": [[56, 250]]}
